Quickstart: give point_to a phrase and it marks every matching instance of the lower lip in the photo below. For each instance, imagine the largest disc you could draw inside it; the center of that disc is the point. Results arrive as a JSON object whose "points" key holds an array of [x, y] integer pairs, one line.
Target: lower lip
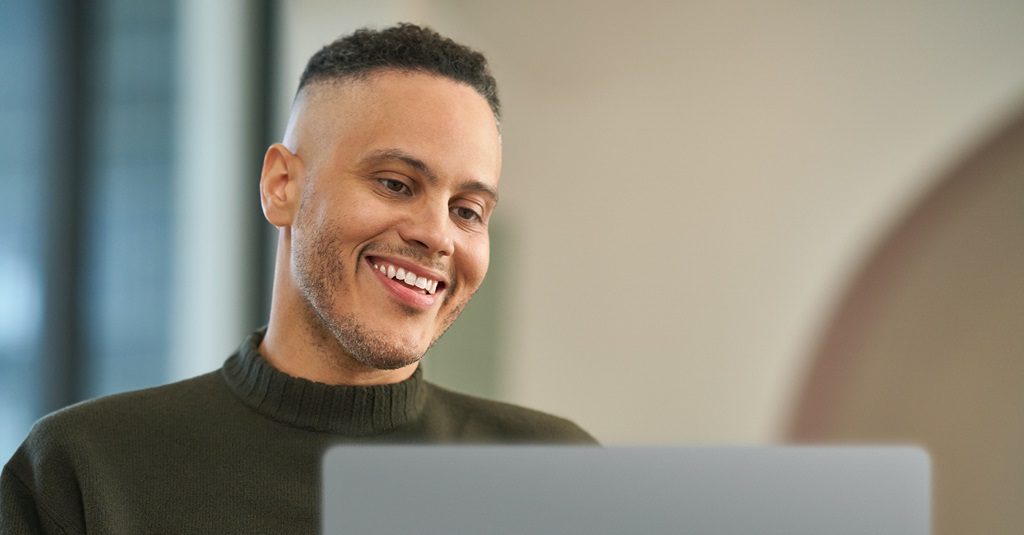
{"points": [[407, 295]]}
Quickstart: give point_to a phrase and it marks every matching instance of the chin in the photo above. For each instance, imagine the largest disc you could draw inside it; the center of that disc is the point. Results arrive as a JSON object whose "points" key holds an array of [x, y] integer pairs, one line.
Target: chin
{"points": [[383, 356], [377, 348]]}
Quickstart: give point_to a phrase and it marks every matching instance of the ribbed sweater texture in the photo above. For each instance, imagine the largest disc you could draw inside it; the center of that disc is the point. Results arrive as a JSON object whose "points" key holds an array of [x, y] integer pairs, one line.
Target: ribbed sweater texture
{"points": [[237, 450]]}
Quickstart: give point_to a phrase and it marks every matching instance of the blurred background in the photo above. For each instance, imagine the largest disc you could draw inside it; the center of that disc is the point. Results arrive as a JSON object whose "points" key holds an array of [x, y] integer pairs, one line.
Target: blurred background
{"points": [[729, 222]]}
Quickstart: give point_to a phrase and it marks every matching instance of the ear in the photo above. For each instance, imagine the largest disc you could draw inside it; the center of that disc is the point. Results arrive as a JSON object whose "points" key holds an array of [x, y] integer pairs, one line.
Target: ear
{"points": [[280, 185]]}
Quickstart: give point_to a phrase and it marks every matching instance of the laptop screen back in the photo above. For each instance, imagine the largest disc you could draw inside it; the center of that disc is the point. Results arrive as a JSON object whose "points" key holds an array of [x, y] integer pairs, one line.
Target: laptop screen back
{"points": [[591, 490]]}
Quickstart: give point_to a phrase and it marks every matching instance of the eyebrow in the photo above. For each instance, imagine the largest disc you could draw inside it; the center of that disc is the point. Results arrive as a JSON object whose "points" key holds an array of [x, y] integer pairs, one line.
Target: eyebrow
{"points": [[399, 155]]}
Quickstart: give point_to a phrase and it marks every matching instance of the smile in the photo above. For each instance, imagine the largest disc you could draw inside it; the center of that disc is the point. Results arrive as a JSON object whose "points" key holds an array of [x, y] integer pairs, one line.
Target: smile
{"points": [[426, 285]]}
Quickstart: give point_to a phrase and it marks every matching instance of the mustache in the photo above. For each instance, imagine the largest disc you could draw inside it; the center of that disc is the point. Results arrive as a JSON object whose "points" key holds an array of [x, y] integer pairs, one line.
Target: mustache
{"points": [[412, 253]]}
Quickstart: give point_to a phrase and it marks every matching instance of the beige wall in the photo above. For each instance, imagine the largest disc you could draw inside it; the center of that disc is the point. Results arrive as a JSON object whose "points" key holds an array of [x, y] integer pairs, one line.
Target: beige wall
{"points": [[688, 188]]}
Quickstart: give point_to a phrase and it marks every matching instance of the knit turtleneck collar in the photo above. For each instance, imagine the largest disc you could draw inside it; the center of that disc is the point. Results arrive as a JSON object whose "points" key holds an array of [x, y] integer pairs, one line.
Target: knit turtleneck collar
{"points": [[346, 410]]}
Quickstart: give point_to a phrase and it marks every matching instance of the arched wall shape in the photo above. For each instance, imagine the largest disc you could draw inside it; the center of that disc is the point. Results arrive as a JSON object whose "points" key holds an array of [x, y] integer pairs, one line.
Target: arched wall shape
{"points": [[927, 346]]}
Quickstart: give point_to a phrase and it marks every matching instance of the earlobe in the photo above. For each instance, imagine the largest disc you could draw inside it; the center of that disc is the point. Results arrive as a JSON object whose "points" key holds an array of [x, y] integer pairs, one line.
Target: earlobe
{"points": [[280, 185]]}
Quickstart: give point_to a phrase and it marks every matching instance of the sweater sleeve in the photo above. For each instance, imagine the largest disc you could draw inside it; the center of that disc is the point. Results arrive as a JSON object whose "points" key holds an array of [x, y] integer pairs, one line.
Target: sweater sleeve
{"points": [[37, 491], [20, 514]]}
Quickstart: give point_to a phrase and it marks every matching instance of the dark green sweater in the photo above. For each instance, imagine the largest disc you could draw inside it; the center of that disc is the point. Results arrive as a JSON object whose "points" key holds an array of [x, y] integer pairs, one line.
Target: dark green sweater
{"points": [[233, 451]]}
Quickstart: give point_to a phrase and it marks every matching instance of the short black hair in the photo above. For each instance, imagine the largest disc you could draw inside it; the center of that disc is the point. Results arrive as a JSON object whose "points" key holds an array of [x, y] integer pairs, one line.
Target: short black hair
{"points": [[405, 47]]}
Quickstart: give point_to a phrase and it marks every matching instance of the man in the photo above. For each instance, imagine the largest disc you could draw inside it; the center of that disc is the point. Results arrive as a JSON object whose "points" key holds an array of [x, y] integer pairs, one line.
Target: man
{"points": [[381, 192]]}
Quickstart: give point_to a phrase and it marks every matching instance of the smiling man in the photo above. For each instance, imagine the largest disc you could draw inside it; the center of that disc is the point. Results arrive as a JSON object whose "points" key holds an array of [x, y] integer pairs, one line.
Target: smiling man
{"points": [[381, 193], [382, 189]]}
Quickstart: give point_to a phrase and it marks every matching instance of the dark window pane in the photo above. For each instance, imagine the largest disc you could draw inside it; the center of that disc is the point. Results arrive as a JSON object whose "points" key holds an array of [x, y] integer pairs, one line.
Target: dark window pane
{"points": [[129, 225]]}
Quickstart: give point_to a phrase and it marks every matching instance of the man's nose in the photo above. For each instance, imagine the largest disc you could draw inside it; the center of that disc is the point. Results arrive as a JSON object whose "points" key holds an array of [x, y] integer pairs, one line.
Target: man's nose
{"points": [[429, 227]]}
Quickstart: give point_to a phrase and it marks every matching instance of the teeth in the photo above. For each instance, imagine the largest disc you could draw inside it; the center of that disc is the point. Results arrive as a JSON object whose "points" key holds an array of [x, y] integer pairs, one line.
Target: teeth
{"points": [[408, 277]]}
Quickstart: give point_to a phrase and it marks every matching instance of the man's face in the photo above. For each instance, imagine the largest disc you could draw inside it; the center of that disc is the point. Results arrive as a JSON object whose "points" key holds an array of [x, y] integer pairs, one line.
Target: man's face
{"points": [[391, 239]]}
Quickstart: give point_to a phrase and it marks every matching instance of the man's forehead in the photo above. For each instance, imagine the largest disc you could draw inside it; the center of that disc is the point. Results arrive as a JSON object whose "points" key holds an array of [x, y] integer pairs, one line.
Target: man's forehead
{"points": [[327, 111]]}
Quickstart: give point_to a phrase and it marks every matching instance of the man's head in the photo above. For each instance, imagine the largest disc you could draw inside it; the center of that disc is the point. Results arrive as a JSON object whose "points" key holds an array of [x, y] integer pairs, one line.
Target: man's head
{"points": [[389, 166]]}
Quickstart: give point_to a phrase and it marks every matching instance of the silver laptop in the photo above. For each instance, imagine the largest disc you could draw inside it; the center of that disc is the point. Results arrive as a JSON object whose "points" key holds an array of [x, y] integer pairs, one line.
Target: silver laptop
{"points": [[447, 490]]}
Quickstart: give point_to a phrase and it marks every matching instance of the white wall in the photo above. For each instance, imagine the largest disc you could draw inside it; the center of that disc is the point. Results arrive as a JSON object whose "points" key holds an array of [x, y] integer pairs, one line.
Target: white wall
{"points": [[690, 186]]}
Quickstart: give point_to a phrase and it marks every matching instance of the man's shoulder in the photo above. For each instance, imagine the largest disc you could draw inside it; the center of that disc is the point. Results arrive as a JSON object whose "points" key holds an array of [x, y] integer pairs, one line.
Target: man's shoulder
{"points": [[160, 398], [488, 420], [121, 415], [105, 431]]}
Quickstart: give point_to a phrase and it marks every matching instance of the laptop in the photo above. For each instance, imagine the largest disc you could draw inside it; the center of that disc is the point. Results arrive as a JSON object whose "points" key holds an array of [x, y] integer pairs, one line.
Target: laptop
{"points": [[447, 490]]}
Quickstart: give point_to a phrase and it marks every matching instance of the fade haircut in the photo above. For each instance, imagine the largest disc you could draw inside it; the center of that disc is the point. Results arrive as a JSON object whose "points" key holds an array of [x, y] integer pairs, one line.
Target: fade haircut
{"points": [[405, 47]]}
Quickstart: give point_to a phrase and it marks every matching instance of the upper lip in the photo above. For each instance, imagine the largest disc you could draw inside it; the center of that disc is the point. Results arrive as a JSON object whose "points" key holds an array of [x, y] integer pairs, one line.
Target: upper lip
{"points": [[409, 265]]}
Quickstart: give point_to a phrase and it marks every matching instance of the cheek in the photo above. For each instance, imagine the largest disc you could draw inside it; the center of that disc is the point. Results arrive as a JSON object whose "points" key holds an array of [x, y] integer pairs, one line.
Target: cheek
{"points": [[474, 265], [316, 258], [350, 223], [363, 221]]}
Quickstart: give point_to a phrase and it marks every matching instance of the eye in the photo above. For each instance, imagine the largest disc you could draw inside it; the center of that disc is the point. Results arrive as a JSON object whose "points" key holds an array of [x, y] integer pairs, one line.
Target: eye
{"points": [[467, 214], [395, 186]]}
